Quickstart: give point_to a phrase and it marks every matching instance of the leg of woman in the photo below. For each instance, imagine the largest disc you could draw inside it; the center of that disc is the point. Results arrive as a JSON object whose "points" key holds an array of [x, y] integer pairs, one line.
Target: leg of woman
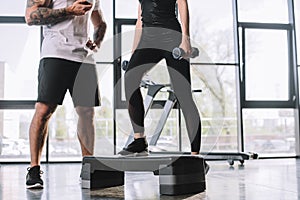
{"points": [[141, 61], [179, 71]]}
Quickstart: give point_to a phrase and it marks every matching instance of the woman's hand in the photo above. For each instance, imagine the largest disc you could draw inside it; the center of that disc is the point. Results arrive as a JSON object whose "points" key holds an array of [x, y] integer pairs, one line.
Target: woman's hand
{"points": [[186, 46], [185, 26]]}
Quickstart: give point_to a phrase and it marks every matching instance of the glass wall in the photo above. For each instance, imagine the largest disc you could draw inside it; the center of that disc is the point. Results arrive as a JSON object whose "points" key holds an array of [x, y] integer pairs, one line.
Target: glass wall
{"points": [[267, 61], [126, 9], [12, 8], [270, 131], [212, 30], [263, 11], [266, 58], [297, 25], [14, 140], [297, 35], [19, 58]]}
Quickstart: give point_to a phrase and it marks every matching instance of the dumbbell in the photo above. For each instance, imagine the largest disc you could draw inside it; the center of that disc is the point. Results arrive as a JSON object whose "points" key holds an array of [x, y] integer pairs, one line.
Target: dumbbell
{"points": [[125, 65], [179, 53]]}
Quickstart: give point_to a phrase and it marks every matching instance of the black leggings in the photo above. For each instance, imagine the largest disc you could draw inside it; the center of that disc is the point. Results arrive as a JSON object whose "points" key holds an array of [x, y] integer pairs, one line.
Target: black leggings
{"points": [[142, 60]]}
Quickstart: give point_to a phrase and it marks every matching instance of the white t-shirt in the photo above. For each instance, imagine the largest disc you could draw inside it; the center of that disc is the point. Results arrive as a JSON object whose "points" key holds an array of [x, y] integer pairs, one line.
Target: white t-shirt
{"points": [[67, 39]]}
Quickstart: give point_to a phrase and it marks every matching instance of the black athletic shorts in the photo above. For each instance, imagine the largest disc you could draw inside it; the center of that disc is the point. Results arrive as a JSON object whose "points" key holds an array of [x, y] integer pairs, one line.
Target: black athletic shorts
{"points": [[56, 76]]}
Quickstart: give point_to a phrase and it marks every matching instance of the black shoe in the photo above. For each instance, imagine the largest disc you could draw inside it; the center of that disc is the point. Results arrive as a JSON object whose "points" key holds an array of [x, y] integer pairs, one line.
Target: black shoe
{"points": [[139, 147], [206, 167], [33, 178]]}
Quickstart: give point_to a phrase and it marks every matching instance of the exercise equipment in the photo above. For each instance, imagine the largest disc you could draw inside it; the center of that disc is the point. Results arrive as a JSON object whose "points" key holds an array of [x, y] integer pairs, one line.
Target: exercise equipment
{"points": [[230, 157], [153, 89], [179, 53], [178, 175]]}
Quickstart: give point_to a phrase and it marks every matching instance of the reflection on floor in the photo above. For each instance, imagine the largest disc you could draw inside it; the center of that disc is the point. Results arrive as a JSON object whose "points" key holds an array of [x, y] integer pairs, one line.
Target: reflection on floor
{"points": [[257, 180]]}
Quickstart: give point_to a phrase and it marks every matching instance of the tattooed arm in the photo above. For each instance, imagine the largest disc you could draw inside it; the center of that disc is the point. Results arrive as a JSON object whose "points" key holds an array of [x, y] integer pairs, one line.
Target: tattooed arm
{"points": [[39, 13], [99, 25]]}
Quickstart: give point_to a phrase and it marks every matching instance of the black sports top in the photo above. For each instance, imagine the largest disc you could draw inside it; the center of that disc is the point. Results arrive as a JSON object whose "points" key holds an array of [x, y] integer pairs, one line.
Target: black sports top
{"points": [[158, 12]]}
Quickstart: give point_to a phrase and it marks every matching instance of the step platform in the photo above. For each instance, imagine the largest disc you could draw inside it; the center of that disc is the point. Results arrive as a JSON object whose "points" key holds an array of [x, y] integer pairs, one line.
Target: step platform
{"points": [[178, 175]]}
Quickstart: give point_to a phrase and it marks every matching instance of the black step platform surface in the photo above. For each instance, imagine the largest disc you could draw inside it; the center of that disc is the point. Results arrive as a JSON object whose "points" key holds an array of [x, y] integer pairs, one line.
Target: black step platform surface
{"points": [[178, 174]]}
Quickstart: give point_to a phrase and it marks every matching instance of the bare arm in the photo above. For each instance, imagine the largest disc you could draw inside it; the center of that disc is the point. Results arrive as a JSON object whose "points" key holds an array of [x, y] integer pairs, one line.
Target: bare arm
{"points": [[99, 26], [138, 30], [39, 13], [185, 25]]}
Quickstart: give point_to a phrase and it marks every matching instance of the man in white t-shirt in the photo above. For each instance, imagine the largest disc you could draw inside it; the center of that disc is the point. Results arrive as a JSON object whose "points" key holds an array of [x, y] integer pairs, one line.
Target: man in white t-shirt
{"points": [[67, 63]]}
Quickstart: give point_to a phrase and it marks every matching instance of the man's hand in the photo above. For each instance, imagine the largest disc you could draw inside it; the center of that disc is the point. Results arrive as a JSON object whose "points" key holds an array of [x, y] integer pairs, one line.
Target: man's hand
{"points": [[79, 7]]}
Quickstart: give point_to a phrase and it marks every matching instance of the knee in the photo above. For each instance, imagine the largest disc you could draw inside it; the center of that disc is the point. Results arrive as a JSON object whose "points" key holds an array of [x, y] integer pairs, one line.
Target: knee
{"points": [[44, 111], [132, 93], [85, 112], [132, 83]]}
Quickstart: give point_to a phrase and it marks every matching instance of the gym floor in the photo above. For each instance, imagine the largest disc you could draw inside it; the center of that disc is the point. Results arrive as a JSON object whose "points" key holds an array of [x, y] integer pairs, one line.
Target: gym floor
{"points": [[274, 179]]}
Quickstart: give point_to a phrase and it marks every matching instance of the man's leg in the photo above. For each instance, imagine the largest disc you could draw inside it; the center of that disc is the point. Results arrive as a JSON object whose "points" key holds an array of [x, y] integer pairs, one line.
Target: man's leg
{"points": [[39, 130], [86, 129], [37, 136]]}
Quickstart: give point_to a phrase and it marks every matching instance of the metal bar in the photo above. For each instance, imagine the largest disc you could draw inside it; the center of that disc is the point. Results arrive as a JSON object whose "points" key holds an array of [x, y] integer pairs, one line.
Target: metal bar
{"points": [[224, 64], [294, 63], [252, 25], [15, 104], [240, 129], [268, 104], [125, 21], [12, 20], [164, 117], [115, 80]]}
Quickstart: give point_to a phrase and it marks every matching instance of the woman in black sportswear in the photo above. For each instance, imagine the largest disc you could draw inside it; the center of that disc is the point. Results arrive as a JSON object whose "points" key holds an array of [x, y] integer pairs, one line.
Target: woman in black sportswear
{"points": [[158, 32]]}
